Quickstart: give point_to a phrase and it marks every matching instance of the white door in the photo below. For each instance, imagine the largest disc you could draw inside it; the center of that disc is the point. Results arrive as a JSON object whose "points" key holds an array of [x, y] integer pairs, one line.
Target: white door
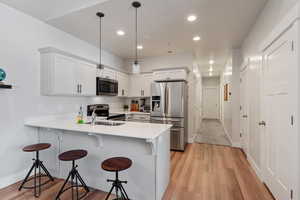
{"points": [[279, 113], [244, 113], [211, 103]]}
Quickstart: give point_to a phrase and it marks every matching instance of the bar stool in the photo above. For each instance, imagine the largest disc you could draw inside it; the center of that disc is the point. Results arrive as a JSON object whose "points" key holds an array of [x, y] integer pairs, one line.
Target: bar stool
{"points": [[37, 164], [73, 174], [116, 165]]}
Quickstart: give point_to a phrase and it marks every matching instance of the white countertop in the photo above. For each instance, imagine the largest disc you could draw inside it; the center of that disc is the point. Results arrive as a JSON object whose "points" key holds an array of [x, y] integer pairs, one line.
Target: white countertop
{"points": [[129, 112], [139, 130]]}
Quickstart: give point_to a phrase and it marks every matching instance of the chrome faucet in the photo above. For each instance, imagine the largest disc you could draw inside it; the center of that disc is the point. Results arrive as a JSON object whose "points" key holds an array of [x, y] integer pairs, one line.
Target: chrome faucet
{"points": [[94, 116]]}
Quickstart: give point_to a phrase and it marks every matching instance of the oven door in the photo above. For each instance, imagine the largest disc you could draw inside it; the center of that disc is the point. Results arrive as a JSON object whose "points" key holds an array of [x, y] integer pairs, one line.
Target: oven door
{"points": [[107, 87]]}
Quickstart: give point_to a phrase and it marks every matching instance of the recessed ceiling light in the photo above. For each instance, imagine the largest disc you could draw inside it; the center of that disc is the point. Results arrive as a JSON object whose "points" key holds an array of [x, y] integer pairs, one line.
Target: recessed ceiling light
{"points": [[211, 62], [120, 32], [140, 47], [191, 18], [196, 38]]}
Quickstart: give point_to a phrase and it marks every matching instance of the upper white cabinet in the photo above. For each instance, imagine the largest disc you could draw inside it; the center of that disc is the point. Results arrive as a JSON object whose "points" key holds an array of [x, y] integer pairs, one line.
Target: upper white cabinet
{"points": [[66, 76], [86, 74], [123, 87], [140, 85], [174, 74], [107, 73]]}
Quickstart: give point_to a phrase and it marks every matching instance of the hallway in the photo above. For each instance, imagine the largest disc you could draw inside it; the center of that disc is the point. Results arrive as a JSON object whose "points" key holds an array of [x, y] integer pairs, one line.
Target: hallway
{"points": [[212, 132]]}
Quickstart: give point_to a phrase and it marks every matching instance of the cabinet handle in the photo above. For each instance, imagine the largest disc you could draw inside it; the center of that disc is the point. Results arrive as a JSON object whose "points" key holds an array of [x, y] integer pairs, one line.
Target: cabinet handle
{"points": [[122, 92], [77, 88], [80, 88]]}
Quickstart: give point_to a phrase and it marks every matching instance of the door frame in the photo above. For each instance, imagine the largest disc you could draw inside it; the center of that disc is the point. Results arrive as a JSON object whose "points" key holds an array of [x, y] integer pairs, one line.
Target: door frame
{"points": [[218, 89]]}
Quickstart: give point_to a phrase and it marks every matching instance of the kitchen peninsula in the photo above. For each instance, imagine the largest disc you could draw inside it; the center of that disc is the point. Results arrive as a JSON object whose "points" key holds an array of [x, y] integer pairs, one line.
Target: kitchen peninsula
{"points": [[146, 144]]}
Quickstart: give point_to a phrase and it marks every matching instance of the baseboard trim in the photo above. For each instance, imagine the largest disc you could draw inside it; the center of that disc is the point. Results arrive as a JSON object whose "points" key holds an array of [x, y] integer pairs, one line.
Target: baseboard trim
{"points": [[11, 179], [255, 168], [226, 133]]}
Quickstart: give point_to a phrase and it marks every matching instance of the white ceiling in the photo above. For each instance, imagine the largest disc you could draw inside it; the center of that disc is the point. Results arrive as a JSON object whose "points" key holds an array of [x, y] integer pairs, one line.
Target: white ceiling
{"points": [[222, 25]]}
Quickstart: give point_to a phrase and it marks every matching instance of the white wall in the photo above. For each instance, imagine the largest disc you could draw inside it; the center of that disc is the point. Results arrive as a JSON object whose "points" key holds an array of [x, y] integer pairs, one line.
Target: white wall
{"points": [[211, 81], [21, 37], [270, 16]]}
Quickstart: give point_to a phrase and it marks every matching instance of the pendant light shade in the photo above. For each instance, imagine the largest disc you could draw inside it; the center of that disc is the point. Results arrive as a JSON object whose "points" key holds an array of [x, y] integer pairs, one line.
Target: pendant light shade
{"points": [[100, 15], [136, 66]]}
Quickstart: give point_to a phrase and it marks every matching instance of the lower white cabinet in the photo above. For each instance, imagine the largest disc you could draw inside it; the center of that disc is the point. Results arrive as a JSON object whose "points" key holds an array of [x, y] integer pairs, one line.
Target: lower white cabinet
{"points": [[66, 76]]}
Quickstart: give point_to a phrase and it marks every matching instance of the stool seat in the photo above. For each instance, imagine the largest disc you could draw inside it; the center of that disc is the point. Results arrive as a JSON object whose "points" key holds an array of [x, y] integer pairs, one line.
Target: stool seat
{"points": [[36, 147], [116, 164], [72, 155]]}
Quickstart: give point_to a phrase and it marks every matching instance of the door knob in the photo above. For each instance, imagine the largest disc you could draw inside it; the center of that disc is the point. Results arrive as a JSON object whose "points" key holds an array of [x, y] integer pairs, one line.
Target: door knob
{"points": [[262, 123]]}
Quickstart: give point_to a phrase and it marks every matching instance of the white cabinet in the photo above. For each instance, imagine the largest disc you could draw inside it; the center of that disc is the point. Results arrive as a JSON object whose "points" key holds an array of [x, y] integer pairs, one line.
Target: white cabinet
{"points": [[146, 84], [174, 74], [140, 85], [123, 84], [63, 75], [86, 78], [108, 73]]}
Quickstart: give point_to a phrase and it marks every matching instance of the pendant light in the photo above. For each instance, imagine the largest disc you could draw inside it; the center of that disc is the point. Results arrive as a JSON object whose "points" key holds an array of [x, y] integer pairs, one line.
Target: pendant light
{"points": [[100, 66], [136, 66]]}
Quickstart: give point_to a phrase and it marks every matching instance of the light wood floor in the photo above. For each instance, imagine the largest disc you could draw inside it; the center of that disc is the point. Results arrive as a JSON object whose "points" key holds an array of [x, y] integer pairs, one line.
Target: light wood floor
{"points": [[203, 172]]}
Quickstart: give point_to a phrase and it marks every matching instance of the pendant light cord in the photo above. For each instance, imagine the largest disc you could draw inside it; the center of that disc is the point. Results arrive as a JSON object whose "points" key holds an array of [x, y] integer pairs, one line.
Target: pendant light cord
{"points": [[136, 32], [100, 45], [100, 15]]}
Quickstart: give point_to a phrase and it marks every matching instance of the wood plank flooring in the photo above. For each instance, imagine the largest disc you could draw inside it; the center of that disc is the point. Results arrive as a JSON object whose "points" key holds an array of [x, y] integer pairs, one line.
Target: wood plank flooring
{"points": [[203, 172]]}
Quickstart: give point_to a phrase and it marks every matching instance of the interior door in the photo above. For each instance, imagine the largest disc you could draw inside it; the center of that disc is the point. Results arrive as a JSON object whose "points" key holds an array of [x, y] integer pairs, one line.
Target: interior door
{"points": [[279, 111], [244, 113], [211, 103]]}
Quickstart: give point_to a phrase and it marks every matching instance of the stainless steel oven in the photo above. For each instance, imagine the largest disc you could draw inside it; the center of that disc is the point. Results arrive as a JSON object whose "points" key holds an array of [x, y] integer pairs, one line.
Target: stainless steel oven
{"points": [[108, 87]]}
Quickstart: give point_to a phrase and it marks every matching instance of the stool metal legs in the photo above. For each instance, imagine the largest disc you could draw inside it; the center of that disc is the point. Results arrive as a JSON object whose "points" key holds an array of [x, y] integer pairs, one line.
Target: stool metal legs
{"points": [[117, 185], [37, 165], [74, 174]]}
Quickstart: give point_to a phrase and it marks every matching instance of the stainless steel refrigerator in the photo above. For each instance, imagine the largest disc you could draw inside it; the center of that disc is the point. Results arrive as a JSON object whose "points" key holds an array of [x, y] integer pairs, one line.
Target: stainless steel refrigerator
{"points": [[169, 104]]}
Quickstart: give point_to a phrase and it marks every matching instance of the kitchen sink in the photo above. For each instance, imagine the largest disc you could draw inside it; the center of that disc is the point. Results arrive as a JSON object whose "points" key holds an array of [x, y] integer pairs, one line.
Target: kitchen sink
{"points": [[107, 123]]}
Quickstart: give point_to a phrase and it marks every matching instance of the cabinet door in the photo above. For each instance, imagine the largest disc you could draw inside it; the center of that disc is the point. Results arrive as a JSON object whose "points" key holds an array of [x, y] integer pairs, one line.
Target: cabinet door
{"points": [[136, 83], [123, 81], [146, 84], [86, 77], [108, 73], [178, 74], [64, 80]]}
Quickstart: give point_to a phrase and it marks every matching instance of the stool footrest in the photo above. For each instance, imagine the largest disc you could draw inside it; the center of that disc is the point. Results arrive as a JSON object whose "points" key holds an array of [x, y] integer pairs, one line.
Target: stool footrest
{"points": [[37, 165], [74, 174]]}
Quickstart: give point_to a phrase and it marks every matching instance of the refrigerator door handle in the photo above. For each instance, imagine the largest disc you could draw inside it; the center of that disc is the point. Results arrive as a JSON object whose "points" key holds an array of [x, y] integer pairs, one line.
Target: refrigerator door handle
{"points": [[166, 100]]}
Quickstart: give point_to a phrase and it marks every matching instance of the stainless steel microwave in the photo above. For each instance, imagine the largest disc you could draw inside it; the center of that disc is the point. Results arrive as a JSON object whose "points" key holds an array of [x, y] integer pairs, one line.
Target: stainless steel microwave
{"points": [[107, 87]]}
